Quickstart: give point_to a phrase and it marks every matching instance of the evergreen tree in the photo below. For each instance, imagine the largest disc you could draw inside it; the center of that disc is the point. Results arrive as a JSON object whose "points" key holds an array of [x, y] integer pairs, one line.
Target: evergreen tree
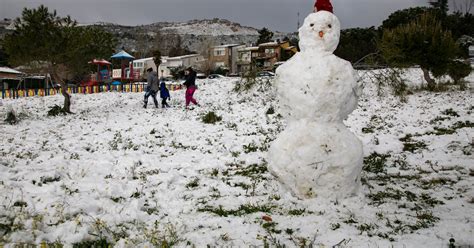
{"points": [[3, 58], [402, 17], [356, 43], [441, 5], [265, 35], [422, 42], [157, 58], [42, 37]]}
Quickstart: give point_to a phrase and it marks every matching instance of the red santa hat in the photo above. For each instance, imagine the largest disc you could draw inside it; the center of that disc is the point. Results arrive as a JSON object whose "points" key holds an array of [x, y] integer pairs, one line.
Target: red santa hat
{"points": [[323, 5]]}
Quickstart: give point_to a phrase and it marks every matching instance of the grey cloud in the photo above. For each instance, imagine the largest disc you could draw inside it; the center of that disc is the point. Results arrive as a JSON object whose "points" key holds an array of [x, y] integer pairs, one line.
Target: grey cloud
{"points": [[278, 15]]}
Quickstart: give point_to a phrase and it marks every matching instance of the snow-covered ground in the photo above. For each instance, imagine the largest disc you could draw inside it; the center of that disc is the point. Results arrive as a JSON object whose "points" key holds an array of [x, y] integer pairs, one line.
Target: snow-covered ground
{"points": [[116, 172]]}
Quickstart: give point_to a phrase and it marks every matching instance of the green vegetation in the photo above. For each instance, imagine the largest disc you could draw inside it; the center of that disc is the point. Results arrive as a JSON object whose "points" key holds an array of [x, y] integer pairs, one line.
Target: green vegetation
{"points": [[211, 118], [422, 42], [375, 163], [242, 210], [63, 48]]}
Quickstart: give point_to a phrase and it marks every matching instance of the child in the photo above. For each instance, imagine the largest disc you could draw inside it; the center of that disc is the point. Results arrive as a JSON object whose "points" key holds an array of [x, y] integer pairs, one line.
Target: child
{"points": [[323, 5], [164, 94], [190, 84], [152, 87]]}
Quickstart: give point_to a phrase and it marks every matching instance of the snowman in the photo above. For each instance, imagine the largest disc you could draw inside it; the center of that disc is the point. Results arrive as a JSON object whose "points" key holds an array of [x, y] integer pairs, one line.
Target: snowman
{"points": [[316, 155]]}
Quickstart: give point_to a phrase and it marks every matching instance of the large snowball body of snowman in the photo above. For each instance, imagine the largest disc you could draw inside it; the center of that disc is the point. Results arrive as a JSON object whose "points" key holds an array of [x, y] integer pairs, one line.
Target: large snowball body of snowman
{"points": [[316, 155]]}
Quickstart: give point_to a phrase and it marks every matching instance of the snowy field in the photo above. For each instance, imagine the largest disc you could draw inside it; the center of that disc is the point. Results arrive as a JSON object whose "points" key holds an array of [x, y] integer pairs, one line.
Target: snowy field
{"points": [[115, 173]]}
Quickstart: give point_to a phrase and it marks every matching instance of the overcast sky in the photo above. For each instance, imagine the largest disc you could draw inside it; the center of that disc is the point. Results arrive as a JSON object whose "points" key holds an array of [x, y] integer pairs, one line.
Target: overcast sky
{"points": [[278, 15]]}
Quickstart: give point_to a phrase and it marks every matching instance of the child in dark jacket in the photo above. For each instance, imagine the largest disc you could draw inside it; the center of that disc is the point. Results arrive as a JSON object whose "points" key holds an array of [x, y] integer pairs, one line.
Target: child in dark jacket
{"points": [[190, 84], [164, 94]]}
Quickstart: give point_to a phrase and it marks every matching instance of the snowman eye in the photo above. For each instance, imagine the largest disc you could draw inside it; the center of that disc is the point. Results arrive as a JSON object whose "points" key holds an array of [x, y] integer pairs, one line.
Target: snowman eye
{"points": [[312, 24], [329, 26]]}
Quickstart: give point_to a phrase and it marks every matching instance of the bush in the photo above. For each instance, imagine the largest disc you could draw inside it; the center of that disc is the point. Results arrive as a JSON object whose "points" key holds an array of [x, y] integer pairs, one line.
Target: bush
{"points": [[11, 118], [211, 118], [458, 70], [56, 110], [220, 71]]}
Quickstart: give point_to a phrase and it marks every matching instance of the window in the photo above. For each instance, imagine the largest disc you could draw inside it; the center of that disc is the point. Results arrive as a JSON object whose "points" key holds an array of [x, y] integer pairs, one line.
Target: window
{"points": [[269, 50], [219, 51]]}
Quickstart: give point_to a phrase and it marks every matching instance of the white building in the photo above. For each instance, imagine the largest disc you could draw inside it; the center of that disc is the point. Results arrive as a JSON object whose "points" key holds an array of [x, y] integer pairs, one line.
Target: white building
{"points": [[192, 60], [141, 65]]}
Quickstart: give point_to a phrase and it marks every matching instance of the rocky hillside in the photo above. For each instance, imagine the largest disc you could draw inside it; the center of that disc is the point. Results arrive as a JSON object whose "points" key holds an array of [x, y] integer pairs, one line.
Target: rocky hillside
{"points": [[195, 35]]}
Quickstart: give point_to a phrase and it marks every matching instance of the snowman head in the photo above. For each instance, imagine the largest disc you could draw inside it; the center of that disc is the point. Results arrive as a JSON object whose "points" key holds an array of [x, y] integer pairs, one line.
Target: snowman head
{"points": [[320, 32]]}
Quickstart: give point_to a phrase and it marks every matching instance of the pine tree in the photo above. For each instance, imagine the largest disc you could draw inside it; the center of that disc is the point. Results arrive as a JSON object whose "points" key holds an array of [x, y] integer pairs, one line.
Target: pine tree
{"points": [[42, 37], [422, 42], [441, 5], [265, 35]]}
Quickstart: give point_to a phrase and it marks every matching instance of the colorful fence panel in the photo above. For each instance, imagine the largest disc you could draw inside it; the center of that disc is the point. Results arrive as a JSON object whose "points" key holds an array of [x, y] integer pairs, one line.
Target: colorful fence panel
{"points": [[136, 88]]}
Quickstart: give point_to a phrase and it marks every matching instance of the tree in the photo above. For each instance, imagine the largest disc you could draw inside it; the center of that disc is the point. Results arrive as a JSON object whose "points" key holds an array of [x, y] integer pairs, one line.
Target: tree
{"points": [[178, 49], [459, 24], [441, 5], [157, 60], [42, 37], [422, 42], [356, 43], [458, 70], [463, 6], [157, 57], [403, 17], [265, 35], [3, 58]]}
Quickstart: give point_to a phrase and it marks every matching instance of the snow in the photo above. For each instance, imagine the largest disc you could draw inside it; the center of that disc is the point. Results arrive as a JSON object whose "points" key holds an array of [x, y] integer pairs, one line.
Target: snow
{"points": [[316, 155], [209, 27], [9, 70], [136, 177]]}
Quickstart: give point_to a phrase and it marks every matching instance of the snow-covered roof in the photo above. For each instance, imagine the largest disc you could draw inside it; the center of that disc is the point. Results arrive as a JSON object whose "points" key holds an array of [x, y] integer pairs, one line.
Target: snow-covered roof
{"points": [[183, 57], [244, 49], [9, 70], [143, 60], [227, 45], [273, 43]]}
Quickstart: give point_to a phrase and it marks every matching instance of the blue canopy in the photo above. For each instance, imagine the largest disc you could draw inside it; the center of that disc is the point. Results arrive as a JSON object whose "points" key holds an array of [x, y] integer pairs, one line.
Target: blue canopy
{"points": [[122, 55]]}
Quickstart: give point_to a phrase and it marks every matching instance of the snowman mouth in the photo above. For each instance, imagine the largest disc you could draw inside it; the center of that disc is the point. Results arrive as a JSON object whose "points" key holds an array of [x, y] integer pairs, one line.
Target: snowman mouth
{"points": [[321, 34]]}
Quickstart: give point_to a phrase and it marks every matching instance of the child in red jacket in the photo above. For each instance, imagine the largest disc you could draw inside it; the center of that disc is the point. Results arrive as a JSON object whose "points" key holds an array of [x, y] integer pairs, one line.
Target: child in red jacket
{"points": [[322, 5]]}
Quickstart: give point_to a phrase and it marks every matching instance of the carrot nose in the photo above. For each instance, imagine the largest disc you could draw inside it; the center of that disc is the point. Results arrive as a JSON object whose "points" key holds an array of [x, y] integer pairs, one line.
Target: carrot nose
{"points": [[321, 34]]}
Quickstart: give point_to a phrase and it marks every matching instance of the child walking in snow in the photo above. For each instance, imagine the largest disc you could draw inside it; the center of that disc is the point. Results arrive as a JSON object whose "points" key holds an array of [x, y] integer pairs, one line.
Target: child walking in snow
{"points": [[323, 5], [152, 87], [190, 84], [164, 94]]}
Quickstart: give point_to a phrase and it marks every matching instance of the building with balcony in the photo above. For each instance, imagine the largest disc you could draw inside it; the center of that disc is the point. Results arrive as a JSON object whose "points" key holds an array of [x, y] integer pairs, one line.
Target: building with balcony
{"points": [[272, 52], [225, 57], [246, 56]]}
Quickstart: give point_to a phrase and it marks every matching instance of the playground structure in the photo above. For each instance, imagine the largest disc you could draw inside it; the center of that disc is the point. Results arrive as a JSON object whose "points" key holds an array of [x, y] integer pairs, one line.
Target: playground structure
{"points": [[126, 72], [103, 73]]}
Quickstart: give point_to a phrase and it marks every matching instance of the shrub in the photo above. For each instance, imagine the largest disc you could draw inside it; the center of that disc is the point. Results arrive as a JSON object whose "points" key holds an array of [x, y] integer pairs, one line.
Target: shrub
{"points": [[11, 118], [458, 70], [211, 118], [56, 110]]}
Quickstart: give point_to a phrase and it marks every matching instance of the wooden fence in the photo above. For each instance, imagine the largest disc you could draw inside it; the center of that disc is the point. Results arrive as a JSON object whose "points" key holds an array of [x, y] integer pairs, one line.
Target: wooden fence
{"points": [[17, 93]]}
